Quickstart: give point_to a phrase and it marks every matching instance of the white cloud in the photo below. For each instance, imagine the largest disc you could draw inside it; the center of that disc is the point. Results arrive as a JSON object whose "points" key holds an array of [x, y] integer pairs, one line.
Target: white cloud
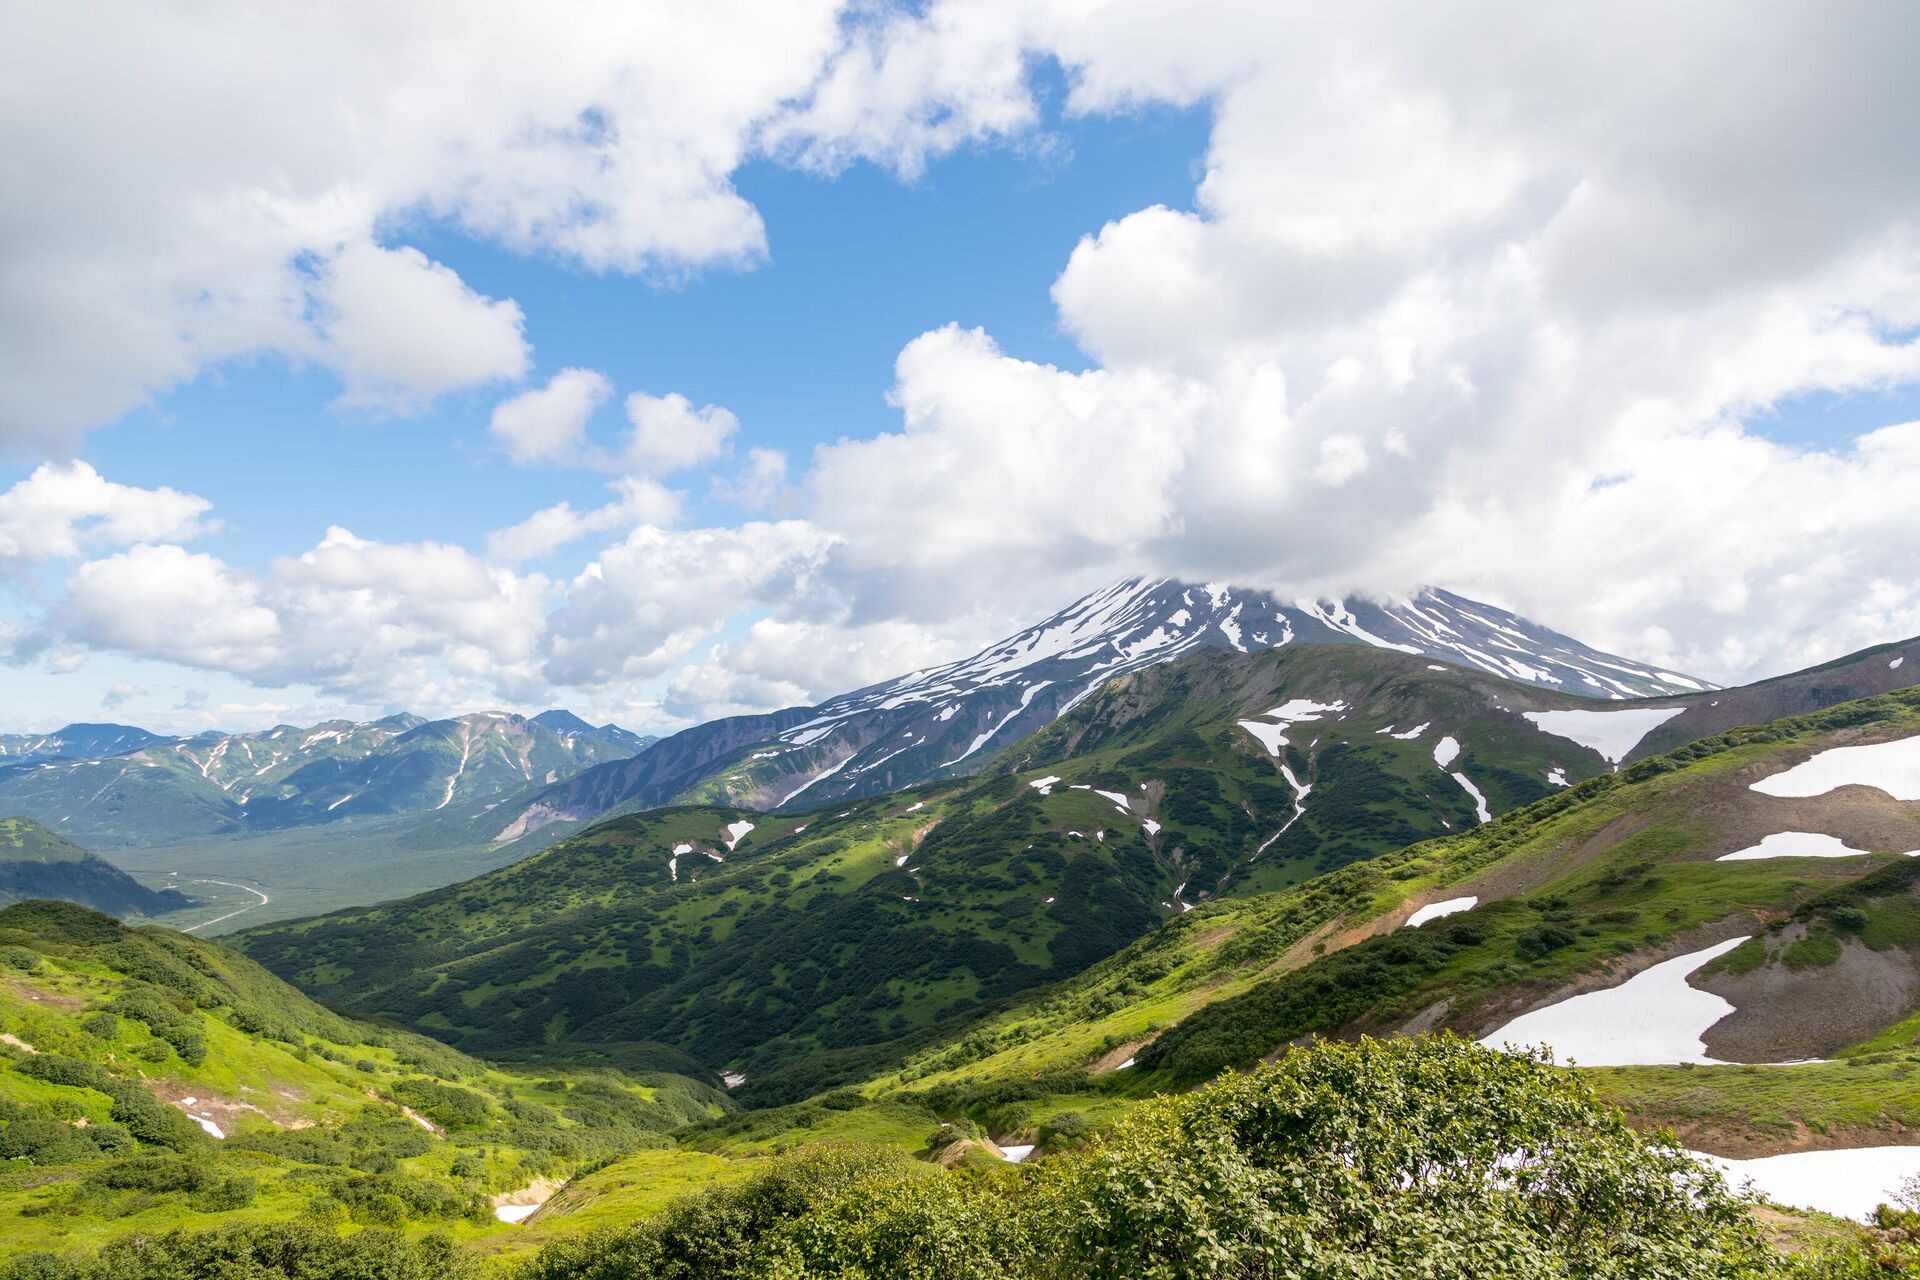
{"points": [[1443, 308], [639, 501], [402, 329], [120, 693], [549, 423], [759, 483], [166, 602], [63, 508], [1434, 290], [646, 602], [670, 435], [188, 206]]}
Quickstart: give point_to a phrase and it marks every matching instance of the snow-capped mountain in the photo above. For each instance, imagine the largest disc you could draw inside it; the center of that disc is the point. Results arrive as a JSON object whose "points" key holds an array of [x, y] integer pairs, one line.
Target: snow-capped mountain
{"points": [[952, 719], [154, 789]]}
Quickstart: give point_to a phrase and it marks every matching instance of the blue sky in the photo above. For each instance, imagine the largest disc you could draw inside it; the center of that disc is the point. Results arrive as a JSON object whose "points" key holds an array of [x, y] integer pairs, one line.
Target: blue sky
{"points": [[800, 348], [1021, 300]]}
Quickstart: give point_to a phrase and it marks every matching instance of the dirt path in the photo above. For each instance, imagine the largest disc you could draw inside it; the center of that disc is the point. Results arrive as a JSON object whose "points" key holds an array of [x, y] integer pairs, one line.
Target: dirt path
{"points": [[264, 900]]}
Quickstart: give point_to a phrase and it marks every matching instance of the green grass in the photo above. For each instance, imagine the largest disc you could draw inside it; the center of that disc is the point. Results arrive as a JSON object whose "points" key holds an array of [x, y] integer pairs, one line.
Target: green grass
{"points": [[311, 1104]]}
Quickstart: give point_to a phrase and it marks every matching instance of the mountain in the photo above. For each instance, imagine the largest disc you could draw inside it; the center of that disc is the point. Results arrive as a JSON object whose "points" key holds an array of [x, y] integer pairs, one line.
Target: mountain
{"points": [[224, 784], [1773, 865], [769, 943], [150, 1081], [950, 721], [75, 742], [35, 863]]}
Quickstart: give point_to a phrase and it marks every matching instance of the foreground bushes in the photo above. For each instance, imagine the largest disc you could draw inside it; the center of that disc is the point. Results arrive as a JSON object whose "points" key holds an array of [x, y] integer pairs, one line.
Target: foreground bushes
{"points": [[282, 1251], [1427, 1158], [1417, 1159]]}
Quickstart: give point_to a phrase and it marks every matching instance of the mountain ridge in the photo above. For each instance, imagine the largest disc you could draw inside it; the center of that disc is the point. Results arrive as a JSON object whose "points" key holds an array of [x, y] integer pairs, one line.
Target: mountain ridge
{"points": [[947, 721]]}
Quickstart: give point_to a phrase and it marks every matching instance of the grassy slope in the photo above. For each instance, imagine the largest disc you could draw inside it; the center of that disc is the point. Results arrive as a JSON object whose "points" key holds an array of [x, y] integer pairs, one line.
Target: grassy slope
{"points": [[1620, 858], [310, 1102]]}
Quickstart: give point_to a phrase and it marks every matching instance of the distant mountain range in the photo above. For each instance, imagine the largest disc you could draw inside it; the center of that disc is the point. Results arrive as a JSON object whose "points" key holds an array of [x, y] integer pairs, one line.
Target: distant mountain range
{"points": [[118, 786], [951, 720]]}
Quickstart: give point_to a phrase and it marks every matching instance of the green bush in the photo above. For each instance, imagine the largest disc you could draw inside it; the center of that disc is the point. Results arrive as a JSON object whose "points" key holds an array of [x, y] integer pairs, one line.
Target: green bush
{"points": [[1430, 1158], [281, 1251]]}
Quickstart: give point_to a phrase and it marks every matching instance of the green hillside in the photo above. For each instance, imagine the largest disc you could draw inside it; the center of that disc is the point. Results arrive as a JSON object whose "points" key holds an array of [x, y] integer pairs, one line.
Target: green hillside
{"points": [[795, 957], [152, 1081], [860, 925], [36, 863]]}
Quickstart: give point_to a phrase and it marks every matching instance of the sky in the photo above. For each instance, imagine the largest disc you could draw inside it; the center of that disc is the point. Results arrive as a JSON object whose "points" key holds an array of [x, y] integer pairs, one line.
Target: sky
{"points": [[666, 362]]}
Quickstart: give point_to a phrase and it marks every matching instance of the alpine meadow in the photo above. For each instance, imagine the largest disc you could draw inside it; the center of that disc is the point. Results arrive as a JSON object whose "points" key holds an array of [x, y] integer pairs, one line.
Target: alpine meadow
{"points": [[954, 640]]}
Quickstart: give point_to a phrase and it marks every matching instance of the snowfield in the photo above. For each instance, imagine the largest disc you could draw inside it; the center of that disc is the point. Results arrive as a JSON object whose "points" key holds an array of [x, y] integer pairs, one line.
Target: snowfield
{"points": [[1794, 844], [1289, 713], [1892, 767], [1611, 733], [1652, 1019], [1435, 910], [1849, 1183]]}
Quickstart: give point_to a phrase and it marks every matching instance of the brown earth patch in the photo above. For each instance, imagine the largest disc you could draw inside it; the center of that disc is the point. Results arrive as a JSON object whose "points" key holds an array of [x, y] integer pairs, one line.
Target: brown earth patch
{"points": [[224, 1112], [1112, 1058], [1782, 1014], [40, 995], [1725, 1136]]}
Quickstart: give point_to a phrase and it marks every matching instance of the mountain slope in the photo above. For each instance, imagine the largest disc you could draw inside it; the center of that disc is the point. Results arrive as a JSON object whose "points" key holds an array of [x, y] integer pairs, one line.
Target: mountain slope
{"points": [[35, 863], [951, 720], [1574, 894], [150, 1080], [849, 927]]}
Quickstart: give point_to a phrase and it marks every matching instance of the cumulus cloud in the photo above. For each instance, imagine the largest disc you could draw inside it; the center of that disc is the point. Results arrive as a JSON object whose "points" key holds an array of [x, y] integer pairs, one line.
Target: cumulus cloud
{"points": [[197, 208], [167, 602], [402, 329], [670, 435], [644, 603], [638, 501], [1450, 308], [549, 423], [63, 508]]}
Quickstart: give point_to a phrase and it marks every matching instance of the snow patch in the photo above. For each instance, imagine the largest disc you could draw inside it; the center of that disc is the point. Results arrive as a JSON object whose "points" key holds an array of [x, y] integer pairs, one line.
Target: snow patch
{"points": [[1446, 751], [1295, 711], [1016, 1152], [1892, 767], [1797, 844], [1614, 733], [1045, 785], [736, 832], [1435, 910], [1849, 1183], [1652, 1019], [1480, 809]]}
